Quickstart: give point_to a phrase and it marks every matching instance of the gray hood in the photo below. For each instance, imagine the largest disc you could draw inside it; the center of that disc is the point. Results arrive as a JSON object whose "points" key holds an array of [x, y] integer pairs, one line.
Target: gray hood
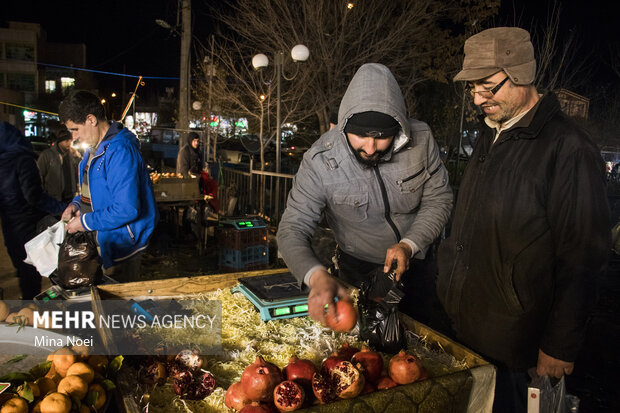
{"points": [[374, 88]]}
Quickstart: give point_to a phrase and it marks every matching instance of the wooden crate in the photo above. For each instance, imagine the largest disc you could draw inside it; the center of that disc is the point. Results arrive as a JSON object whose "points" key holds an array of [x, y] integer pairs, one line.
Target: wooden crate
{"points": [[447, 393]]}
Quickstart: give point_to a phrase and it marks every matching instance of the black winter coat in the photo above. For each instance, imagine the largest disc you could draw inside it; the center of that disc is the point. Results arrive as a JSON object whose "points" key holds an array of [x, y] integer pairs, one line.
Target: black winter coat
{"points": [[22, 199], [530, 234]]}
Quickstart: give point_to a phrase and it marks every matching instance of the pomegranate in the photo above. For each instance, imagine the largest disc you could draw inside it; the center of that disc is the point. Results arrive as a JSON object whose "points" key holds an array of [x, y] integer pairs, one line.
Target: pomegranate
{"points": [[385, 382], [257, 407], [371, 362], [345, 319], [348, 380], [190, 359], [330, 362], [259, 379], [405, 368], [288, 396], [323, 388], [368, 388], [194, 386], [236, 397], [153, 373], [347, 351], [301, 371]]}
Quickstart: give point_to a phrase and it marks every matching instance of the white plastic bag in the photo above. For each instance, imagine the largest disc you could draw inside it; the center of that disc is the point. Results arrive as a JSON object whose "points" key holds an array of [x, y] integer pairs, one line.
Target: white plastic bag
{"points": [[42, 250]]}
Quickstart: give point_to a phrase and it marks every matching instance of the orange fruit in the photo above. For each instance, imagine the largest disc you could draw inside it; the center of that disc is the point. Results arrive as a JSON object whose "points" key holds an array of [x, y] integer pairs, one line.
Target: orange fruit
{"points": [[11, 318], [15, 405], [98, 363], [101, 396], [36, 408], [46, 385], [83, 370], [73, 386], [56, 403], [53, 374], [63, 359], [33, 387], [27, 316], [4, 310]]}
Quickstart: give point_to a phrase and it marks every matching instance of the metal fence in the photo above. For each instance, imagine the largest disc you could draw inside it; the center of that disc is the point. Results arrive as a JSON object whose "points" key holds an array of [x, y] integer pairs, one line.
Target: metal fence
{"points": [[255, 192]]}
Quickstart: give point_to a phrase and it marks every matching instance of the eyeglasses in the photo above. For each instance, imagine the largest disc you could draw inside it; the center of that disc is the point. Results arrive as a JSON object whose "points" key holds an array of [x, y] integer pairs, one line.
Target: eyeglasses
{"points": [[486, 93]]}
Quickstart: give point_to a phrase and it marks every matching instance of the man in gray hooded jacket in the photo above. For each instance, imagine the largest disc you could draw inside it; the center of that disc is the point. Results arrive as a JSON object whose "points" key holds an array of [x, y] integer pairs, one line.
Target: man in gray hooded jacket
{"points": [[378, 180]]}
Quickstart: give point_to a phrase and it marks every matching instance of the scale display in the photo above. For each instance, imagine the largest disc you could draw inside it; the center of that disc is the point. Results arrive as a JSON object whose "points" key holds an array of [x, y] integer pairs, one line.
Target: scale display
{"points": [[276, 296], [244, 223]]}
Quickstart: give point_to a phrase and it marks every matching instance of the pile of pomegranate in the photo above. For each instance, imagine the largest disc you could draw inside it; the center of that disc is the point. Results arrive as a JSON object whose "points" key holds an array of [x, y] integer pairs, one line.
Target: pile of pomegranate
{"points": [[345, 374], [189, 380]]}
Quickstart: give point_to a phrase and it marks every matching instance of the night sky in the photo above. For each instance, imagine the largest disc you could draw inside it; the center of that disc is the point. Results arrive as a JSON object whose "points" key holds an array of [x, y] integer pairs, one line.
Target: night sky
{"points": [[123, 32]]}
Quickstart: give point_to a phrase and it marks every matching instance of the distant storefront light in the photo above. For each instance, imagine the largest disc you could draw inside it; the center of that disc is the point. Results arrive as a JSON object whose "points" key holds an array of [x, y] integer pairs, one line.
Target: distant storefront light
{"points": [[50, 86], [67, 82]]}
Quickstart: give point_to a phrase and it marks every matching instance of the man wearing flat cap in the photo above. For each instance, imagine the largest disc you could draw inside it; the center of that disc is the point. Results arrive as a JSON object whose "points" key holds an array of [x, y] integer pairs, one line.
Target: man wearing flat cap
{"points": [[378, 181], [531, 224]]}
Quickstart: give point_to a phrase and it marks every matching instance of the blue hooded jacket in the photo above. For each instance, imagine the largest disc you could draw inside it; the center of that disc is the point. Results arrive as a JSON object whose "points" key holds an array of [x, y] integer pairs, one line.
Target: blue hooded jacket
{"points": [[22, 199], [124, 208]]}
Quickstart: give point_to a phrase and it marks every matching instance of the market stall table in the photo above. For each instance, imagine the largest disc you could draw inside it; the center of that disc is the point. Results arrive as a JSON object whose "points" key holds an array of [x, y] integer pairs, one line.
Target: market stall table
{"points": [[468, 388]]}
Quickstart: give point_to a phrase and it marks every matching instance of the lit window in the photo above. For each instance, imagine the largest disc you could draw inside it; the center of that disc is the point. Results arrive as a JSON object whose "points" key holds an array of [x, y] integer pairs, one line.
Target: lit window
{"points": [[50, 86], [67, 82]]}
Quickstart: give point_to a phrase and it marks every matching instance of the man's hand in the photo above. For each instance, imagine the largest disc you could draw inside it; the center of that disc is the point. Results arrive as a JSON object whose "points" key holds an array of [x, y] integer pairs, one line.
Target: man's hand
{"points": [[323, 289], [75, 225], [552, 367], [71, 211], [400, 252]]}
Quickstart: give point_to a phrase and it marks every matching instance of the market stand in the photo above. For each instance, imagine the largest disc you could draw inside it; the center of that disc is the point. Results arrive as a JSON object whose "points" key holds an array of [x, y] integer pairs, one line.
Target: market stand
{"points": [[469, 389], [174, 194]]}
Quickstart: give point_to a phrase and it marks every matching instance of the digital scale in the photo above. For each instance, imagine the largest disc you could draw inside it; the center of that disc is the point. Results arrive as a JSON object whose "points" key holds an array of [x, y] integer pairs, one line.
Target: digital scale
{"points": [[57, 293], [244, 223], [276, 296]]}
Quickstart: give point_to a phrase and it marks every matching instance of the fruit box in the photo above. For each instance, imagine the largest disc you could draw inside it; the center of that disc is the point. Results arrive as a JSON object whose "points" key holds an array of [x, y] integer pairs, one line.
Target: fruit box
{"points": [[469, 388]]}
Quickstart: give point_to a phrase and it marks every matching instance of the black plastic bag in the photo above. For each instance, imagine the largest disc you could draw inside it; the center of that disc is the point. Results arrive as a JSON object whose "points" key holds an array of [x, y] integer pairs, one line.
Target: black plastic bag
{"points": [[378, 304], [78, 262]]}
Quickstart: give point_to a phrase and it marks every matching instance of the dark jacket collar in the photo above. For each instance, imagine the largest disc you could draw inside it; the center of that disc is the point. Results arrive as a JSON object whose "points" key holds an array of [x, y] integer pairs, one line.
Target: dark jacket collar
{"points": [[530, 125]]}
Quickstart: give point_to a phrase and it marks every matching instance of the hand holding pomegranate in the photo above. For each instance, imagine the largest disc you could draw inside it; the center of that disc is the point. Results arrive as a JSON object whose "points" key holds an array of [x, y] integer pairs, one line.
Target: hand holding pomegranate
{"points": [[323, 289]]}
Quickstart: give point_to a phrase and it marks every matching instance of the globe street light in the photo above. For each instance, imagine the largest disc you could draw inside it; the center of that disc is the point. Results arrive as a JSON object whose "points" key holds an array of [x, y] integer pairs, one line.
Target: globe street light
{"points": [[299, 53]]}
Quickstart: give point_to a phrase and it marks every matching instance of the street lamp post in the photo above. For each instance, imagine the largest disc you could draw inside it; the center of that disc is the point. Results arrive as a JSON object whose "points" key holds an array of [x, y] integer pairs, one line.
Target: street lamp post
{"points": [[299, 53]]}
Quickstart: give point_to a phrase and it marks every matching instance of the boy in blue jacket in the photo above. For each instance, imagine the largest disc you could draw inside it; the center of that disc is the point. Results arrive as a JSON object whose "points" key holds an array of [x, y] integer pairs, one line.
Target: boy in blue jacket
{"points": [[116, 201]]}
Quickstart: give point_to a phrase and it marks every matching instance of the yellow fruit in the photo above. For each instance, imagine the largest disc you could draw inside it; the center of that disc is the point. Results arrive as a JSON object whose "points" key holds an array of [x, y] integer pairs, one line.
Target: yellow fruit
{"points": [[46, 385], [98, 363], [4, 310], [101, 396], [84, 409], [33, 387], [56, 403], [63, 359], [15, 405], [83, 370]]}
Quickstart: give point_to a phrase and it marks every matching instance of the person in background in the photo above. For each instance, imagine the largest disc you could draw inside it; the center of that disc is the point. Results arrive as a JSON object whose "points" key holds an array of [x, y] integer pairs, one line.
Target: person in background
{"points": [[116, 202], [378, 181], [58, 167], [23, 202], [188, 159], [531, 224]]}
